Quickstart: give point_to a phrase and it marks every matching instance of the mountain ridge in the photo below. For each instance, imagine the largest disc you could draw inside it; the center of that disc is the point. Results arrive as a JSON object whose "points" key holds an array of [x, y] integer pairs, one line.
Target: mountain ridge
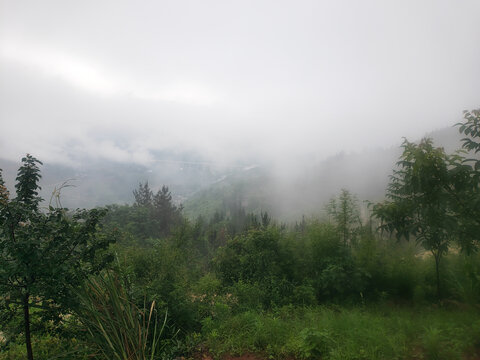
{"points": [[203, 186]]}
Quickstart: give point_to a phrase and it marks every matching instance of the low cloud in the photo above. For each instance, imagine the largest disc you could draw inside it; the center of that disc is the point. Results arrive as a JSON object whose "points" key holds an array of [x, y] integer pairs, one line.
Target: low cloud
{"points": [[253, 82]]}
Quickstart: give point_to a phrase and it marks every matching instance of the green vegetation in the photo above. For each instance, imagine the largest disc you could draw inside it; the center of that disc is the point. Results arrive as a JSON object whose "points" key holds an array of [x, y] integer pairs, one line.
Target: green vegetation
{"points": [[117, 328], [44, 255], [380, 332], [345, 213], [434, 196], [240, 282]]}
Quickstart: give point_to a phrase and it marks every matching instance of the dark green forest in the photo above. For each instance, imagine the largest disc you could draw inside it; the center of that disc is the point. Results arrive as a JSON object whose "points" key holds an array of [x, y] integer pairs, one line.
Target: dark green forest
{"points": [[400, 280]]}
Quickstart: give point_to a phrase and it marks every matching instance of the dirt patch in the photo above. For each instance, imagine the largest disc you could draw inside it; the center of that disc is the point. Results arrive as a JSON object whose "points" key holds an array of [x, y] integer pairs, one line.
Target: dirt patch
{"points": [[247, 356], [200, 355], [205, 355], [473, 355]]}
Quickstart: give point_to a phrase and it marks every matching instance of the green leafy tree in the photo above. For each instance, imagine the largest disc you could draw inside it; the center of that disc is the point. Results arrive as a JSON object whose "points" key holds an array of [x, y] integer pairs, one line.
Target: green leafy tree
{"points": [[465, 184], [418, 201], [250, 257], [44, 254]]}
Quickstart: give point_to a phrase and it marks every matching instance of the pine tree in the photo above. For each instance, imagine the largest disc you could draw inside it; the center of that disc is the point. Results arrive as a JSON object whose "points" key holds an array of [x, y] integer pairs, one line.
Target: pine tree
{"points": [[143, 196], [166, 212]]}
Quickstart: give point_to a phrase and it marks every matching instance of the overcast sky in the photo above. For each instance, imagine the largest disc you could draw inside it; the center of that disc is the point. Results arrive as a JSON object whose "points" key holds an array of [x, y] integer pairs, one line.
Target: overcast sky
{"points": [[270, 80]]}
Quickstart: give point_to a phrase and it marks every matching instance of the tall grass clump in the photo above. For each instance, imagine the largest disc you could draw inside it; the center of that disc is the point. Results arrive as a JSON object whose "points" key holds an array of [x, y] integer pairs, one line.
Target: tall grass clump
{"points": [[117, 328], [464, 278]]}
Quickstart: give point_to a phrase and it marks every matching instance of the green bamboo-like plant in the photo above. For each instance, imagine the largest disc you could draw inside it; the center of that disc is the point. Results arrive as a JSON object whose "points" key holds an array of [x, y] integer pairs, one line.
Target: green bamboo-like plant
{"points": [[118, 329]]}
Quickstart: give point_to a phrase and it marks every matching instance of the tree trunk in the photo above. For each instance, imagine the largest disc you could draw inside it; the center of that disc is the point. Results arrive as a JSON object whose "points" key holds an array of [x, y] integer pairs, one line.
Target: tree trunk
{"points": [[26, 320]]}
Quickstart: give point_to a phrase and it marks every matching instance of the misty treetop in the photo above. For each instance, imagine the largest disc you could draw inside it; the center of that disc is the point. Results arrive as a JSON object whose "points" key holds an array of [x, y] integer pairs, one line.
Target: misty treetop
{"points": [[151, 216], [435, 197]]}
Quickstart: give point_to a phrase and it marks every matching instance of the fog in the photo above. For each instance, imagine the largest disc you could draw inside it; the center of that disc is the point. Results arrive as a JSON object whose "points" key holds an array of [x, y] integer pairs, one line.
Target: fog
{"points": [[277, 83]]}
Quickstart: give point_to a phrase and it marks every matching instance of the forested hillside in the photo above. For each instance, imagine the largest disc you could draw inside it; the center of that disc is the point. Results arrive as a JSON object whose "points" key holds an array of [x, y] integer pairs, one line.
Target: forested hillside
{"points": [[204, 187], [239, 180], [399, 278]]}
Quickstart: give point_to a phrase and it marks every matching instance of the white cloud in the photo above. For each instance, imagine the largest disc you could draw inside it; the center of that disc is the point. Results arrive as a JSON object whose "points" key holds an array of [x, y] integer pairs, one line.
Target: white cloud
{"points": [[89, 76], [54, 63], [269, 79]]}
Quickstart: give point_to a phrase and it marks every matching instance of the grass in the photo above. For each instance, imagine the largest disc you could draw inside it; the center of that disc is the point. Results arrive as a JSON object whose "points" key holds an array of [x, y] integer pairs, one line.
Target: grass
{"points": [[321, 332], [347, 333], [118, 328]]}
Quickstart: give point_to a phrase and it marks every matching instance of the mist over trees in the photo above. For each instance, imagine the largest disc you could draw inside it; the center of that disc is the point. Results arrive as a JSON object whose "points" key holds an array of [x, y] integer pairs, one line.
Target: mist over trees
{"points": [[239, 180], [150, 216], [144, 281]]}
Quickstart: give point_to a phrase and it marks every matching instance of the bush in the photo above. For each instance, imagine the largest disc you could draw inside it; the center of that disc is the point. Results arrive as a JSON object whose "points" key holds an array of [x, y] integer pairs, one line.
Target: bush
{"points": [[248, 296], [304, 295], [464, 278], [48, 347], [164, 274], [315, 344], [251, 257]]}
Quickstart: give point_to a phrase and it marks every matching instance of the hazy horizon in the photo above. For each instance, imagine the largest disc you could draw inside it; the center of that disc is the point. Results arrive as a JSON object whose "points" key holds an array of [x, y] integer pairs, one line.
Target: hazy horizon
{"points": [[230, 81]]}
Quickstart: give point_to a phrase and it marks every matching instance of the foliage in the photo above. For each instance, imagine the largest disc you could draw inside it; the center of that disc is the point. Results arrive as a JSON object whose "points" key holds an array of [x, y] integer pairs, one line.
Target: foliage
{"points": [[465, 187], [382, 332], [238, 282], [164, 273], [48, 347], [143, 195], [345, 213], [331, 267], [315, 343], [418, 203], [464, 278], [250, 257], [255, 268], [471, 129], [44, 255], [118, 329], [151, 216], [436, 197], [159, 207]]}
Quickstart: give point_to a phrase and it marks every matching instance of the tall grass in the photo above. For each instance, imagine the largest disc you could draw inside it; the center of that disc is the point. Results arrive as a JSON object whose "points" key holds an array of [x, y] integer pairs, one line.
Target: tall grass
{"points": [[341, 333], [118, 328]]}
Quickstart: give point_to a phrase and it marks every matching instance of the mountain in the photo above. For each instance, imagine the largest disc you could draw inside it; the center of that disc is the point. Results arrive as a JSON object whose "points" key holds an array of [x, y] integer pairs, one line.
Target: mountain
{"points": [[96, 183], [290, 193], [287, 192]]}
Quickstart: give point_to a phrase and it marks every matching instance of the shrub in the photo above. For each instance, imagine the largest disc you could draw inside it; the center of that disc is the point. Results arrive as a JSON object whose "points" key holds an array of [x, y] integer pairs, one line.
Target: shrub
{"points": [[118, 329], [464, 278], [315, 343], [48, 347]]}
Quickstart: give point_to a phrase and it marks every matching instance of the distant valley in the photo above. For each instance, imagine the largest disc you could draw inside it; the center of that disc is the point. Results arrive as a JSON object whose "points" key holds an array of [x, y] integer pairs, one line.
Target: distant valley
{"points": [[203, 187]]}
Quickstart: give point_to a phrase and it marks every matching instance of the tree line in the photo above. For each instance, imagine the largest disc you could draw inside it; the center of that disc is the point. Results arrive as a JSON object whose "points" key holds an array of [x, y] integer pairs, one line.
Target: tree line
{"points": [[148, 258]]}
